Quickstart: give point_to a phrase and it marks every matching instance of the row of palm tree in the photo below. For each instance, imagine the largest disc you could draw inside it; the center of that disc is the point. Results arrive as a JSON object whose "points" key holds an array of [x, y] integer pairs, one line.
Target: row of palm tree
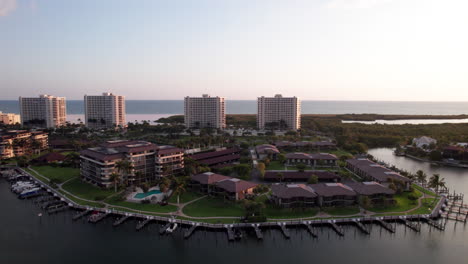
{"points": [[435, 181]]}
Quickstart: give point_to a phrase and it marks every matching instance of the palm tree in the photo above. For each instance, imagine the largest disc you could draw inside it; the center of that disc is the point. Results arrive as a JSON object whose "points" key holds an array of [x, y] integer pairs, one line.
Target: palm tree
{"points": [[178, 187], [421, 176], [280, 176], [124, 167], [114, 177], [436, 182]]}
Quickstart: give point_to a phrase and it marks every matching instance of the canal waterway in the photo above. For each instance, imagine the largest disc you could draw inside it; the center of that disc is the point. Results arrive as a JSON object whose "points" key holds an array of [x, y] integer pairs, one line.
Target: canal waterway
{"points": [[26, 237]]}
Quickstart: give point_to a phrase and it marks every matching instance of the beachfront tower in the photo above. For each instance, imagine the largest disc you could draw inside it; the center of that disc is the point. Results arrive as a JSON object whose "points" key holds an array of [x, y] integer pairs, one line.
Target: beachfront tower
{"points": [[104, 111], [205, 112], [278, 112]]}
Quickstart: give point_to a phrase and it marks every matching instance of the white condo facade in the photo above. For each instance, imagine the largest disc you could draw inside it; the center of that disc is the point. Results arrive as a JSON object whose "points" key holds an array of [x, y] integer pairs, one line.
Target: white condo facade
{"points": [[205, 112], [279, 112], [104, 111], [45, 111], [9, 118]]}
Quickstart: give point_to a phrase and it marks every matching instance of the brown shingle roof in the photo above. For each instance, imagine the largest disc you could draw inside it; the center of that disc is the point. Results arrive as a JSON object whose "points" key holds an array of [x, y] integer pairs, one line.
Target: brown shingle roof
{"points": [[209, 178], [369, 188], [292, 191], [332, 189], [297, 175], [235, 185], [214, 154]]}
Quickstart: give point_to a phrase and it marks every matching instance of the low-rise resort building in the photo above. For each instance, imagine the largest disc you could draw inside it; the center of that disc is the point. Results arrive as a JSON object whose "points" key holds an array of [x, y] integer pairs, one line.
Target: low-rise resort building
{"points": [[371, 171], [145, 162], [16, 143], [315, 159], [220, 185], [300, 176], [267, 151], [303, 145], [329, 194], [218, 158]]}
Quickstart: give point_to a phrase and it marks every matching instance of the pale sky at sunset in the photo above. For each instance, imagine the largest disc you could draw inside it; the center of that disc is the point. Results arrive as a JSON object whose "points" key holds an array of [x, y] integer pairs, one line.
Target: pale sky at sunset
{"points": [[411, 50]]}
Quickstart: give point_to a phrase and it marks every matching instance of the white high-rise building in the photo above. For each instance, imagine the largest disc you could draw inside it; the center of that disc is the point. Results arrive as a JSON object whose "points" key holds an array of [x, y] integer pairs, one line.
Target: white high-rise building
{"points": [[104, 111], [44, 111], [205, 112], [279, 112]]}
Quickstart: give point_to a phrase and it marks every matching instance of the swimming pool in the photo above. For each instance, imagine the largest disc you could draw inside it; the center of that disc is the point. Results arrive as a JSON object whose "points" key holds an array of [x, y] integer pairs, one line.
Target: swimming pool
{"points": [[146, 194]]}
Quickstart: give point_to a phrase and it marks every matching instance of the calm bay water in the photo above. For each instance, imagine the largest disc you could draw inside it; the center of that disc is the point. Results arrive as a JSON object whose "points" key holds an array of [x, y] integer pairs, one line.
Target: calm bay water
{"points": [[250, 107], [27, 238]]}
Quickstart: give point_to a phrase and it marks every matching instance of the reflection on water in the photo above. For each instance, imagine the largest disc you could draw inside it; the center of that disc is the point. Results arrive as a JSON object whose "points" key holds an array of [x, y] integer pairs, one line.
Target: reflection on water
{"points": [[455, 178]]}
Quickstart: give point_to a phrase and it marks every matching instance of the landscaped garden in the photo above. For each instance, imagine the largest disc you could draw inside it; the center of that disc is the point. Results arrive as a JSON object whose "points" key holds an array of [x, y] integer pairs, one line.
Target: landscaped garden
{"points": [[61, 174]]}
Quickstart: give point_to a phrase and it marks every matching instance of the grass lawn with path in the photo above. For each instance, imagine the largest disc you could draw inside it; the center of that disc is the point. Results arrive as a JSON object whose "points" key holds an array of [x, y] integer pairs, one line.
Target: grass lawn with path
{"points": [[156, 208], [60, 173], [86, 191], [421, 189], [403, 203], [347, 210], [81, 202], [272, 212], [210, 206], [185, 197]]}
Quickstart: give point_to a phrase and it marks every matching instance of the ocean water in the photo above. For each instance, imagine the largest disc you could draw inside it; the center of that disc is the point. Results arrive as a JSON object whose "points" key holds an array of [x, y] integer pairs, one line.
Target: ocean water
{"points": [[172, 107]]}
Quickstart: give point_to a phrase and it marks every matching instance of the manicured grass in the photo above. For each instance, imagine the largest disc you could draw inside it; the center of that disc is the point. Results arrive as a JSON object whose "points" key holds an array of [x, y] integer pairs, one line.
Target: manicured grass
{"points": [[427, 206], [37, 175], [287, 213], [145, 207], [60, 173], [402, 203], [421, 189], [81, 202], [185, 197], [212, 221], [275, 165], [348, 210], [86, 191], [209, 206]]}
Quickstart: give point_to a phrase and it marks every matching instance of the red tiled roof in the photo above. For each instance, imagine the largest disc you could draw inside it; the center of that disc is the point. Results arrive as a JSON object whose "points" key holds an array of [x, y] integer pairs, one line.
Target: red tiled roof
{"points": [[50, 157]]}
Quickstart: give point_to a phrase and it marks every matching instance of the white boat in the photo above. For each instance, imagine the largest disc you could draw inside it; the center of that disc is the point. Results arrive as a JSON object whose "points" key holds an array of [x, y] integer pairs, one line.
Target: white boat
{"points": [[171, 228]]}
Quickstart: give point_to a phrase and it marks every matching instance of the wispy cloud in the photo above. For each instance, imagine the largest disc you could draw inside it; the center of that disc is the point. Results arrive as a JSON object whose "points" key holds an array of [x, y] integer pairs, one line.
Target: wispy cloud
{"points": [[7, 6], [355, 3]]}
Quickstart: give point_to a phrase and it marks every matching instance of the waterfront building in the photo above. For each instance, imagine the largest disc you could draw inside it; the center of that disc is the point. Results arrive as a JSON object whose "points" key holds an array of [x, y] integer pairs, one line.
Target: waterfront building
{"points": [[278, 112], [424, 142], [293, 195], [305, 145], [16, 143], [371, 171], [374, 191], [314, 159], [205, 112], [147, 162], [220, 185], [104, 111], [334, 194], [9, 118], [218, 158], [45, 111]]}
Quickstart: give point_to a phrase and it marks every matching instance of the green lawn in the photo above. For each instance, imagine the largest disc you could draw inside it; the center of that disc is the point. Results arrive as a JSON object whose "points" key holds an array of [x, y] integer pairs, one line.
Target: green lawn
{"points": [[272, 212], [212, 221], [427, 206], [275, 165], [36, 175], [86, 191], [185, 197], [156, 208], [209, 206], [81, 202], [348, 210], [402, 203], [60, 173], [421, 189]]}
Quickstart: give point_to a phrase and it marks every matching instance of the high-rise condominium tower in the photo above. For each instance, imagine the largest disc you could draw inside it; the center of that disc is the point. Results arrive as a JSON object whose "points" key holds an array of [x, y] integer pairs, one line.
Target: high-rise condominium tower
{"points": [[205, 112], [104, 111], [45, 111], [279, 112]]}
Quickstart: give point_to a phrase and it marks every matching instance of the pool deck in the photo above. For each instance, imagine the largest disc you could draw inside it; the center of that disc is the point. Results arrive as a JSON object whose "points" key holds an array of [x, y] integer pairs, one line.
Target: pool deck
{"points": [[159, 196]]}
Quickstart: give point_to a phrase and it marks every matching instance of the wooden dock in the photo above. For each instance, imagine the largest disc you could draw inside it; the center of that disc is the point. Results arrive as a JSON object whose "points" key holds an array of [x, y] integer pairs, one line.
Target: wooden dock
{"points": [[386, 225], [284, 230], [362, 227], [81, 214], [121, 220], [335, 227], [98, 217], [163, 229], [309, 228], [190, 231], [257, 230], [56, 209], [230, 233], [142, 224], [414, 226]]}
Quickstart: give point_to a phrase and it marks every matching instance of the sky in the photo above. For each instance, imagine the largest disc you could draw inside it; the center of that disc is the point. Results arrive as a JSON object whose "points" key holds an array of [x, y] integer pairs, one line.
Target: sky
{"points": [[392, 50]]}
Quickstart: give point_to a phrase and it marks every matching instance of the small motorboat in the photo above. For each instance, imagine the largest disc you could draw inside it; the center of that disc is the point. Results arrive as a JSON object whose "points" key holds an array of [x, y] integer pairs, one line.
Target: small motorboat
{"points": [[171, 228]]}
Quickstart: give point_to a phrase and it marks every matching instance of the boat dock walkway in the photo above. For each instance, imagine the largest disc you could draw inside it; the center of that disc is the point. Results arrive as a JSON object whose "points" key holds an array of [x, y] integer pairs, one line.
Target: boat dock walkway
{"points": [[142, 224], [230, 232], [284, 230], [81, 214], [163, 229], [257, 230], [190, 231], [309, 228], [385, 225], [98, 217], [121, 220], [335, 227], [362, 227]]}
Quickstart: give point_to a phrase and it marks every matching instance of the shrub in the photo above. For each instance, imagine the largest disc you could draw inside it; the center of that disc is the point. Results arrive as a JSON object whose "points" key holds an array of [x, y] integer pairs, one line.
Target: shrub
{"points": [[146, 201], [412, 197], [99, 197]]}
